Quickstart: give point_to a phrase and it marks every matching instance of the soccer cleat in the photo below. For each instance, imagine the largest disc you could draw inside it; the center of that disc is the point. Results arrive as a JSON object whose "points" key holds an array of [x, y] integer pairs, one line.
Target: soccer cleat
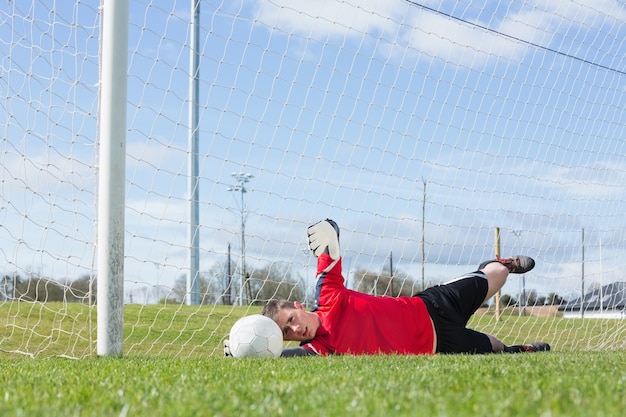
{"points": [[516, 265], [536, 347], [529, 348]]}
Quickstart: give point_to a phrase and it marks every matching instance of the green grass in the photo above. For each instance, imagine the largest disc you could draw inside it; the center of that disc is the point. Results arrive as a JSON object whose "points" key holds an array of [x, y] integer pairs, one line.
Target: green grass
{"points": [[56, 329], [546, 384], [172, 366]]}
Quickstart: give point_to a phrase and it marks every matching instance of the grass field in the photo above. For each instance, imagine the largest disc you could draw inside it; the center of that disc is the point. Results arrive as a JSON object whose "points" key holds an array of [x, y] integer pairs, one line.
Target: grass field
{"points": [[172, 367], [547, 384]]}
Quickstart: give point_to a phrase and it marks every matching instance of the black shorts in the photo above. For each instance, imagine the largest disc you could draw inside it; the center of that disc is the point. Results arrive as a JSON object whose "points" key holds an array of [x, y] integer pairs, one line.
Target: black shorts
{"points": [[450, 306]]}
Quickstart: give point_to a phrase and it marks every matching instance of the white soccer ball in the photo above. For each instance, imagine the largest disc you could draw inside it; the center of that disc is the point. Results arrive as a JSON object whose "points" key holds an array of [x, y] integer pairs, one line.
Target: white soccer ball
{"points": [[255, 335]]}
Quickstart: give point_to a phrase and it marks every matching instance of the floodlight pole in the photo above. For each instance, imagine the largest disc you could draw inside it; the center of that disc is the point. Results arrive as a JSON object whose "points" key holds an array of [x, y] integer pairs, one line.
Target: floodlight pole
{"points": [[241, 179]]}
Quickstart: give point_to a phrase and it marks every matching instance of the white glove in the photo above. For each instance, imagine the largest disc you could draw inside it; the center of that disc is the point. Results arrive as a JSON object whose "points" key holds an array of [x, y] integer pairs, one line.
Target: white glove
{"points": [[227, 348], [323, 235]]}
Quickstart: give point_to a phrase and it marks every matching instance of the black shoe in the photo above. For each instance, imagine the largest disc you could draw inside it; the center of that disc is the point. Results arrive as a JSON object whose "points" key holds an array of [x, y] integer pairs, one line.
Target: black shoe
{"points": [[517, 265], [532, 347], [536, 347]]}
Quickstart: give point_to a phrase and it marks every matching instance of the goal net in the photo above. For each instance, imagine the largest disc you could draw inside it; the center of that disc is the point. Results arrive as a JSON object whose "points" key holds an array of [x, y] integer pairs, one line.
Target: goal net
{"points": [[424, 129]]}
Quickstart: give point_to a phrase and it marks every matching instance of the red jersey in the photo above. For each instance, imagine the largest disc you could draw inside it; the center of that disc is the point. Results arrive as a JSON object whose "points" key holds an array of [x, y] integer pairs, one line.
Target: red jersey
{"points": [[360, 324]]}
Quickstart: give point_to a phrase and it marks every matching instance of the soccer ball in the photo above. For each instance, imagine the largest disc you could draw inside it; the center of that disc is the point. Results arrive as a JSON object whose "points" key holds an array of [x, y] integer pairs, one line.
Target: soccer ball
{"points": [[255, 335]]}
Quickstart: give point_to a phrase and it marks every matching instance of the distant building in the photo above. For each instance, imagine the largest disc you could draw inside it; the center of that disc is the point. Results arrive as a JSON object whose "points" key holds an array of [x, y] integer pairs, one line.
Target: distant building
{"points": [[607, 302]]}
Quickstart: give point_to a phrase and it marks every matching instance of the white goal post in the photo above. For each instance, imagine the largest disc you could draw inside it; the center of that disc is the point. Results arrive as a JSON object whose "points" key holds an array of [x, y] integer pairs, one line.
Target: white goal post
{"points": [[112, 177], [160, 163]]}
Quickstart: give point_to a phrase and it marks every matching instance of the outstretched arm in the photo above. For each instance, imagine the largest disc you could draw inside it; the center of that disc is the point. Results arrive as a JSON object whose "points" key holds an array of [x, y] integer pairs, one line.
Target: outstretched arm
{"points": [[297, 351]]}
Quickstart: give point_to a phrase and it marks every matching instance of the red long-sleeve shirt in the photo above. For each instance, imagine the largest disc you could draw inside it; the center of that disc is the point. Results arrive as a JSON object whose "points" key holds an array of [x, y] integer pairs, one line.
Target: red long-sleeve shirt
{"points": [[361, 324]]}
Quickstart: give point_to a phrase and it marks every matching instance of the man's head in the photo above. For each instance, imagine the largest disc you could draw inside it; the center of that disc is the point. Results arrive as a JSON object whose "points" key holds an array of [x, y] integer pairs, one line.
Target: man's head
{"points": [[294, 321]]}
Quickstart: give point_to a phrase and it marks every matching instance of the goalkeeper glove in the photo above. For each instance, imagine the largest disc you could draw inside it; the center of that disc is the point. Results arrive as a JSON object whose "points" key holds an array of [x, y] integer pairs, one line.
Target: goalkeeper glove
{"points": [[324, 238]]}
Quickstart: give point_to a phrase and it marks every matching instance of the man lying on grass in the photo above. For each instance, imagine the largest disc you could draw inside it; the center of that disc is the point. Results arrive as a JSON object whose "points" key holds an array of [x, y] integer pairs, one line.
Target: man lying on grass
{"points": [[344, 321]]}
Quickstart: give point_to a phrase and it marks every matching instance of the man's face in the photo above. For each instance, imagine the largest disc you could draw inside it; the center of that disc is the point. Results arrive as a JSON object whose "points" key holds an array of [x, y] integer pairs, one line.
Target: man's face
{"points": [[297, 324]]}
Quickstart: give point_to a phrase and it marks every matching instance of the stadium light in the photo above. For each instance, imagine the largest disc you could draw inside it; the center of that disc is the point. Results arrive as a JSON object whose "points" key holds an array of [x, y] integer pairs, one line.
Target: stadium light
{"points": [[241, 179]]}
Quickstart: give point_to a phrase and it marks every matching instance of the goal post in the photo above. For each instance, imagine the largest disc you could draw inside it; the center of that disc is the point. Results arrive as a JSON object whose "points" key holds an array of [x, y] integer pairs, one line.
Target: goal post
{"points": [[193, 285], [498, 296], [112, 177]]}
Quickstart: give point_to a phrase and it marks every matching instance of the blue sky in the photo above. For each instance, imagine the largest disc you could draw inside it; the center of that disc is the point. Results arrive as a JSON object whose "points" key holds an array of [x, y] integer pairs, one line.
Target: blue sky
{"points": [[512, 112]]}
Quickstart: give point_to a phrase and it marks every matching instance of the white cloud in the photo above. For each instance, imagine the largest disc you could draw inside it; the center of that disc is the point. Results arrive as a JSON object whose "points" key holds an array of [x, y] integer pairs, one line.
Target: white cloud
{"points": [[46, 173], [591, 181], [331, 17], [404, 25]]}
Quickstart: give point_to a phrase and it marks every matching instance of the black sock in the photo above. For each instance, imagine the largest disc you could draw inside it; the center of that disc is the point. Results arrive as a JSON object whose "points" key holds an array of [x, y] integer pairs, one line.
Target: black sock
{"points": [[514, 349], [482, 266]]}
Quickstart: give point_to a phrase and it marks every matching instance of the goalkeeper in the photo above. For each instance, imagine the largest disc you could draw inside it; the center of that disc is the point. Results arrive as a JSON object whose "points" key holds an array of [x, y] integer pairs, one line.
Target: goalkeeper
{"points": [[433, 321]]}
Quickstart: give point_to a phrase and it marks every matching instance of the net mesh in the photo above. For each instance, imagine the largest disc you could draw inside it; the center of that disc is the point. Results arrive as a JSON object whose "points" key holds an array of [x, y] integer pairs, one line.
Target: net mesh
{"points": [[419, 127]]}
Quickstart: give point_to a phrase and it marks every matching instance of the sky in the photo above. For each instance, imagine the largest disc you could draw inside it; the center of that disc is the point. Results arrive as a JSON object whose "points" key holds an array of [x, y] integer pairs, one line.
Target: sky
{"points": [[505, 115]]}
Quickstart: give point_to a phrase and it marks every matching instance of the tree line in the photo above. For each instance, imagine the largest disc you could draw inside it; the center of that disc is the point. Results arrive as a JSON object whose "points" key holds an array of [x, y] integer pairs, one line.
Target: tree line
{"points": [[217, 286], [40, 289]]}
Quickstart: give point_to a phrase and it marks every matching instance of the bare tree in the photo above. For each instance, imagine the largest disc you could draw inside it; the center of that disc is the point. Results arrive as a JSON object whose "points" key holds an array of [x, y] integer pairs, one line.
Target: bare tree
{"points": [[385, 284], [8, 286], [39, 289], [275, 280], [83, 290], [210, 289]]}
